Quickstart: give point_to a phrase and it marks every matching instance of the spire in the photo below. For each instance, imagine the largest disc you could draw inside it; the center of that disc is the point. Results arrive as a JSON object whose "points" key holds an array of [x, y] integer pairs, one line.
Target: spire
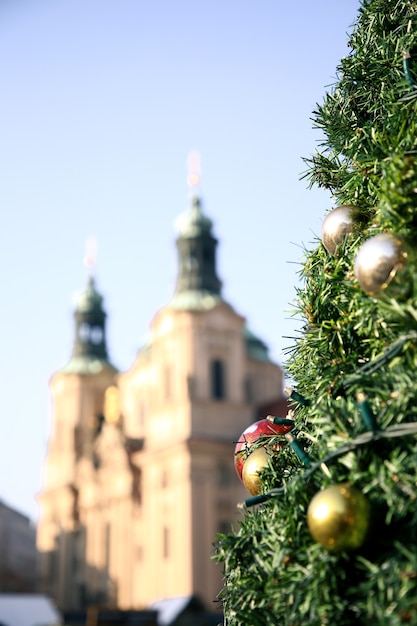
{"points": [[197, 277], [90, 318], [89, 354]]}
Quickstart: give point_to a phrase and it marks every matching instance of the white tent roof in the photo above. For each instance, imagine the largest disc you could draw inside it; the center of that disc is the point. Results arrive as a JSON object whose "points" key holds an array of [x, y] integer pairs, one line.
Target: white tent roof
{"points": [[27, 609], [169, 609]]}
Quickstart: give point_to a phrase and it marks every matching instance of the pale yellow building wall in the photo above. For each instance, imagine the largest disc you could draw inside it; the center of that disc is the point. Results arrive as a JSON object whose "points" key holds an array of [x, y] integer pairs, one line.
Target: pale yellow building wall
{"points": [[76, 402], [189, 441]]}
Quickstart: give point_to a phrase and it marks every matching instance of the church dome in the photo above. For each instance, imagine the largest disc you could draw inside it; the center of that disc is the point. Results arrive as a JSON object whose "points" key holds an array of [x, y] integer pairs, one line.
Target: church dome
{"points": [[255, 347], [193, 223]]}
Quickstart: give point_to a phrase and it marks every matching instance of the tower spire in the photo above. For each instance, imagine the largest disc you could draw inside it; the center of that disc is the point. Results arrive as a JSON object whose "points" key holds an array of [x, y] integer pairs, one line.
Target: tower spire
{"points": [[197, 277], [90, 340], [89, 353]]}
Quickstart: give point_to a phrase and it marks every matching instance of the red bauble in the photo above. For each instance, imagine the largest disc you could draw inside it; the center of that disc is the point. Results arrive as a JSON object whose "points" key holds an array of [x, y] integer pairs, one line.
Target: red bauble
{"points": [[261, 428]]}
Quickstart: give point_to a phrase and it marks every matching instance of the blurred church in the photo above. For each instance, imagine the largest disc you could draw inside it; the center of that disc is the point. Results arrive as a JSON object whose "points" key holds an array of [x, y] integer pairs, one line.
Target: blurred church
{"points": [[139, 474]]}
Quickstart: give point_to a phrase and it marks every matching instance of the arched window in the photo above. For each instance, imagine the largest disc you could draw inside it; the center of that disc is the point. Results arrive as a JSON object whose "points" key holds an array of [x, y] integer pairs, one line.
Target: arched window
{"points": [[166, 542], [218, 383], [167, 382], [248, 389]]}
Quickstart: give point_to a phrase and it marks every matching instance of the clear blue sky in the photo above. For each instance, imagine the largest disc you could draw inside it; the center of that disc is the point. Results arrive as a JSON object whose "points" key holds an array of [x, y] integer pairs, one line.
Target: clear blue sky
{"points": [[101, 102]]}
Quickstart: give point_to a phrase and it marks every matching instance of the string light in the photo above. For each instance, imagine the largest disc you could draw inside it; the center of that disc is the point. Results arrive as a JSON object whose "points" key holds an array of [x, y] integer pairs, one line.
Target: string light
{"points": [[407, 70], [398, 430], [281, 421], [366, 412], [372, 366], [297, 397]]}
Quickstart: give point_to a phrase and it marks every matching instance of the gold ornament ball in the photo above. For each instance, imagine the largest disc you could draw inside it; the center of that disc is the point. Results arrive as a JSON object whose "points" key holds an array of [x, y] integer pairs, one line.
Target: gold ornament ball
{"points": [[338, 517], [380, 266], [336, 226], [255, 463]]}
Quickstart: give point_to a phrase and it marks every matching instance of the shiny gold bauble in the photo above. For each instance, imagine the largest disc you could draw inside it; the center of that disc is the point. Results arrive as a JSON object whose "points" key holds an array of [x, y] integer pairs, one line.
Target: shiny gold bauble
{"points": [[336, 226], [338, 517], [255, 463], [380, 266]]}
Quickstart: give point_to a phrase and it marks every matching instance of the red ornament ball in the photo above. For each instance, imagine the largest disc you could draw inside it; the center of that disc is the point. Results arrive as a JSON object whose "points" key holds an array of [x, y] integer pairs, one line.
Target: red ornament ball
{"points": [[261, 428]]}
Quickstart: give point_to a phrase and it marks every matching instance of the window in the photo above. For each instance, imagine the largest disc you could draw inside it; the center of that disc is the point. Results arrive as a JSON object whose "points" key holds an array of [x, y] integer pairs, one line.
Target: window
{"points": [[96, 335], [192, 262], [53, 565], [137, 486], [76, 554], [84, 332], [191, 387], [165, 542], [107, 545], [111, 408], [167, 382], [223, 476], [248, 390], [218, 387]]}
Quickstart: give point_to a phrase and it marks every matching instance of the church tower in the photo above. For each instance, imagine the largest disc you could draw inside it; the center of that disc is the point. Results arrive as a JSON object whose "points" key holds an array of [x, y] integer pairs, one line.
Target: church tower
{"points": [[144, 478], [78, 394]]}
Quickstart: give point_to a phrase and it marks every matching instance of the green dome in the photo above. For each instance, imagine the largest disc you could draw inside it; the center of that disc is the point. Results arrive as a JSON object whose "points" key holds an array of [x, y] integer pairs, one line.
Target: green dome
{"points": [[193, 223], [85, 365], [255, 347], [195, 300]]}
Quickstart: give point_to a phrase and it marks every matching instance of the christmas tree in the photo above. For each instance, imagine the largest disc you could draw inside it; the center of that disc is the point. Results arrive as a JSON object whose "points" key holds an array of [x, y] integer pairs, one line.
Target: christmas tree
{"points": [[330, 536]]}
